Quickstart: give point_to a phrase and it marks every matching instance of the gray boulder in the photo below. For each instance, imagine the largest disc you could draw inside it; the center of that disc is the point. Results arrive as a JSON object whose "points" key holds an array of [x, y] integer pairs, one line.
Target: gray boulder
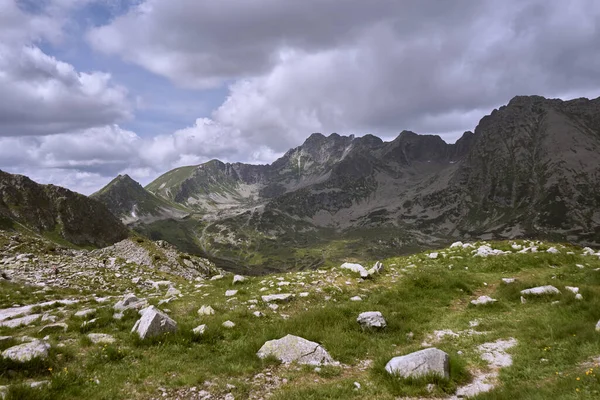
{"points": [[154, 322], [27, 351], [130, 301], [292, 348], [238, 279], [421, 363], [206, 310], [371, 320]]}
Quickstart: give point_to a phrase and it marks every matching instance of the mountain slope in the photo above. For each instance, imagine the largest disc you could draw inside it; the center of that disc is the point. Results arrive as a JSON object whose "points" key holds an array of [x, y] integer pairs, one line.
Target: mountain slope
{"points": [[130, 202], [57, 212], [529, 169]]}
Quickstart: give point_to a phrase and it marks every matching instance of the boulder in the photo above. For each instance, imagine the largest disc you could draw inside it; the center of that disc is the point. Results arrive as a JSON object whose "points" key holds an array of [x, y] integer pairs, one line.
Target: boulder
{"points": [[355, 268], [371, 320], [27, 351], [292, 348], [154, 322], [238, 279], [275, 298], [421, 363], [481, 300], [541, 290], [206, 310]]}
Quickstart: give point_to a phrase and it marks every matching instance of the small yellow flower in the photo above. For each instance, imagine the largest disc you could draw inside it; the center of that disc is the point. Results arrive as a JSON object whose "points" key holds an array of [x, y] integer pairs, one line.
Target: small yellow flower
{"points": [[578, 378], [577, 390], [50, 369]]}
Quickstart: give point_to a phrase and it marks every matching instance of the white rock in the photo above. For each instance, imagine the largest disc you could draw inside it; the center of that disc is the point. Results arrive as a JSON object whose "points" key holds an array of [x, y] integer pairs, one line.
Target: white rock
{"points": [[572, 289], [456, 244], [216, 277], [598, 327], [85, 313], [173, 292], [433, 255], [371, 319], [158, 284], [206, 310], [508, 280], [199, 330], [578, 296], [356, 298], [355, 268], [376, 269], [154, 322], [228, 324], [541, 290], [282, 297], [304, 294], [495, 353], [58, 327], [130, 301], [27, 351], [238, 279], [22, 321], [420, 363], [481, 300], [552, 250], [101, 338], [292, 348], [230, 293]]}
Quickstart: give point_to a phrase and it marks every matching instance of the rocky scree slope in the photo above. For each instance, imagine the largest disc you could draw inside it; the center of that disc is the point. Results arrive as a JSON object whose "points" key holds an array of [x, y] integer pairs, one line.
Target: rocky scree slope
{"points": [[57, 212]]}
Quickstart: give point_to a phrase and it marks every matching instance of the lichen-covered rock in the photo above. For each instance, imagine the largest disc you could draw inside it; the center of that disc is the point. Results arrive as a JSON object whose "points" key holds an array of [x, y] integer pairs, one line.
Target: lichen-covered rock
{"points": [[420, 363], [154, 322], [27, 351], [292, 348]]}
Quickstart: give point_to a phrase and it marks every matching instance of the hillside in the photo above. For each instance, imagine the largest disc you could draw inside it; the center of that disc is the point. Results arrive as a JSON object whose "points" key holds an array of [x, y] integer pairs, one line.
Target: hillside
{"points": [[130, 202], [471, 301], [58, 213]]}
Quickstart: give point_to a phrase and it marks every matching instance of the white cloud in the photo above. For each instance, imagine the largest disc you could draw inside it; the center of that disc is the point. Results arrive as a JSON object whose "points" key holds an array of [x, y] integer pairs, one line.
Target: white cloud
{"points": [[41, 95]]}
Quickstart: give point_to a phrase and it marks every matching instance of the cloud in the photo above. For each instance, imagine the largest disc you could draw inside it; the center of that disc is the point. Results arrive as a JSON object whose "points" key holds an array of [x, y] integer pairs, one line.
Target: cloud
{"points": [[41, 95], [428, 66]]}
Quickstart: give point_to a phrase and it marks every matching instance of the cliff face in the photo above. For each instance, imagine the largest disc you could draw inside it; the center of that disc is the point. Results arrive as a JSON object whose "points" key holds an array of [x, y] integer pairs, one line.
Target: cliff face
{"points": [[58, 212]]}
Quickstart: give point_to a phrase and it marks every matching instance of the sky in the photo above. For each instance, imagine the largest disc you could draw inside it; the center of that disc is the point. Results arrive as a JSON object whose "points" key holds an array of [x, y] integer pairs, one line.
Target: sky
{"points": [[90, 89]]}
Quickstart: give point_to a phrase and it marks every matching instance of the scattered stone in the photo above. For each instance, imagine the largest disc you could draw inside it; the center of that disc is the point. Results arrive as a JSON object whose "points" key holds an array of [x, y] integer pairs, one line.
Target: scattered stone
{"points": [[523, 300], [27, 351], [508, 280], [92, 322], [598, 327], [158, 284], [495, 352], [433, 255], [216, 277], [22, 321], [153, 323], [552, 250], [578, 296], [130, 301], [173, 292], [482, 300], [230, 293], [101, 338], [206, 310], [292, 348], [272, 298], [371, 319], [199, 330], [304, 294], [228, 324], [238, 279], [85, 313], [356, 298], [258, 314], [355, 268], [376, 269], [52, 328], [572, 289], [420, 363], [541, 290]]}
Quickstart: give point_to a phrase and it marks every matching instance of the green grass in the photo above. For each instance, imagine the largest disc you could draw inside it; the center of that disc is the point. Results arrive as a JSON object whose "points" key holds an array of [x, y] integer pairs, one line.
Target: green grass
{"points": [[416, 294]]}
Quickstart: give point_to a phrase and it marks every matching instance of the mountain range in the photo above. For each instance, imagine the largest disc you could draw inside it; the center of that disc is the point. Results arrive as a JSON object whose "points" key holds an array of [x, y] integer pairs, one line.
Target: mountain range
{"points": [[529, 169]]}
